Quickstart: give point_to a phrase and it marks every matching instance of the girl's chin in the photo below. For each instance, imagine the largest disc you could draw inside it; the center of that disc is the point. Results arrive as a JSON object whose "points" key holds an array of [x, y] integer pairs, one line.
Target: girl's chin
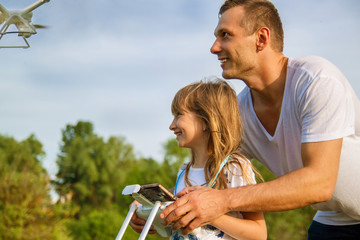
{"points": [[182, 145]]}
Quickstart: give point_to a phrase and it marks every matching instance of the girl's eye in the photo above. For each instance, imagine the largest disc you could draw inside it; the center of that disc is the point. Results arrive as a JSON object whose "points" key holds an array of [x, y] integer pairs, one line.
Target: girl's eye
{"points": [[177, 114], [225, 35]]}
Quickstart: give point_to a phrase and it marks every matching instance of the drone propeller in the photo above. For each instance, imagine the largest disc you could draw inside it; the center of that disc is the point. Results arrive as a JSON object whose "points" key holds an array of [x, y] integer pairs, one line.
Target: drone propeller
{"points": [[40, 26]]}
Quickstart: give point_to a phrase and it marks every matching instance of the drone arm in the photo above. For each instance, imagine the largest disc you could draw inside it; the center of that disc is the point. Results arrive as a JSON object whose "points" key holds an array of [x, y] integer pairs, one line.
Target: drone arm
{"points": [[34, 6], [4, 14], [3, 10], [20, 26], [4, 27]]}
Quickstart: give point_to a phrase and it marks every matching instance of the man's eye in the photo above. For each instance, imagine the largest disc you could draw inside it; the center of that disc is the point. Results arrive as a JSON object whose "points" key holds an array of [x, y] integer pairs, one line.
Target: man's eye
{"points": [[225, 34]]}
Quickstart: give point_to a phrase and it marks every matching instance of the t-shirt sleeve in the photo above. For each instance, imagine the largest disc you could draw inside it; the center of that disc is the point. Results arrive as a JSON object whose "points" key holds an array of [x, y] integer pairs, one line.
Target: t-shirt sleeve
{"points": [[325, 110], [240, 176]]}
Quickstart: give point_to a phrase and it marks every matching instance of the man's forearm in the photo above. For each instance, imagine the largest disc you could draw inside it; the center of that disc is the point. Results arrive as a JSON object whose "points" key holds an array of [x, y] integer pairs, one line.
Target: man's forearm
{"points": [[313, 183], [291, 191]]}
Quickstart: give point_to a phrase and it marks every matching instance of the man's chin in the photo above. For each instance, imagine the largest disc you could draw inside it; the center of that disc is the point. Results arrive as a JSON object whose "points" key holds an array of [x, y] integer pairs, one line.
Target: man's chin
{"points": [[227, 75]]}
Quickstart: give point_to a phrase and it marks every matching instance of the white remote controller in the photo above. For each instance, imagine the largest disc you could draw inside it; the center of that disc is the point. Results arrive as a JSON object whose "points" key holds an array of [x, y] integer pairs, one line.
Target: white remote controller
{"points": [[147, 195], [143, 212]]}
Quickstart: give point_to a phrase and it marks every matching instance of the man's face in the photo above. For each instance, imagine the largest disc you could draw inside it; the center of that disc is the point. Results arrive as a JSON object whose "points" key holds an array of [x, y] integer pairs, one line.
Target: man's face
{"points": [[235, 48]]}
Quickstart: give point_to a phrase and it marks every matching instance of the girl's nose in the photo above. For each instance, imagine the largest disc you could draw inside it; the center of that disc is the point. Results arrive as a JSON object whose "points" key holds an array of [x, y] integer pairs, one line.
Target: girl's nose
{"points": [[172, 125]]}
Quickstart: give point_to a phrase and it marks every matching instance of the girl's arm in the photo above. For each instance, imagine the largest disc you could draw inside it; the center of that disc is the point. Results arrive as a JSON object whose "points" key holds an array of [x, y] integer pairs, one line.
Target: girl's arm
{"points": [[251, 227]]}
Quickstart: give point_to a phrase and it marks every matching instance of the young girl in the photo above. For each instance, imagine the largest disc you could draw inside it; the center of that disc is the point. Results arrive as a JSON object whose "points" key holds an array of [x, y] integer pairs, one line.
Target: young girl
{"points": [[207, 121]]}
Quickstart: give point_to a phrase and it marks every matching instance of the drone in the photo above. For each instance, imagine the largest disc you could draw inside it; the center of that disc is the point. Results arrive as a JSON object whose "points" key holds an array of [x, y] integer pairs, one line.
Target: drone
{"points": [[22, 20]]}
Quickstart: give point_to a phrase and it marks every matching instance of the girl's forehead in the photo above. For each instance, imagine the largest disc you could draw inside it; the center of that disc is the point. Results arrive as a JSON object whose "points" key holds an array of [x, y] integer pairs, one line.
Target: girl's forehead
{"points": [[179, 106]]}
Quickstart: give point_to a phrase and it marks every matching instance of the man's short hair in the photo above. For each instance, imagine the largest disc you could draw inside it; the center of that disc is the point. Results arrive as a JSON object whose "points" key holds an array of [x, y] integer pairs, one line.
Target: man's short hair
{"points": [[259, 13]]}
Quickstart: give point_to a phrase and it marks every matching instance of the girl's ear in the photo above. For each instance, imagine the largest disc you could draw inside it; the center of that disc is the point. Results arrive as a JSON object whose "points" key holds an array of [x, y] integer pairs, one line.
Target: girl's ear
{"points": [[204, 127]]}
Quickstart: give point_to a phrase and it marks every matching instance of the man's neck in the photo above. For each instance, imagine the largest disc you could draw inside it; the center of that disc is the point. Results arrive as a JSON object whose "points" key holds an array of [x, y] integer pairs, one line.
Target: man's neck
{"points": [[270, 77], [270, 85], [267, 95]]}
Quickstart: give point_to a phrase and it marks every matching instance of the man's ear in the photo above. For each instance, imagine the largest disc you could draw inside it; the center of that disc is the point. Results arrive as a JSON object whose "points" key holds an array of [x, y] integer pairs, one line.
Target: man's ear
{"points": [[262, 38]]}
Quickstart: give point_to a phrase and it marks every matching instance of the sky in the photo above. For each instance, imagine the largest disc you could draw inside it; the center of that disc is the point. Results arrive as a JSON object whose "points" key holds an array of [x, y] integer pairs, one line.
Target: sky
{"points": [[118, 64]]}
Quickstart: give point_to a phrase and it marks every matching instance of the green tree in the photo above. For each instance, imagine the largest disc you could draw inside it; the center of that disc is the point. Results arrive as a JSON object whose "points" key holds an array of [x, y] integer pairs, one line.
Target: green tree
{"points": [[285, 225], [25, 209], [92, 174], [91, 170], [98, 224]]}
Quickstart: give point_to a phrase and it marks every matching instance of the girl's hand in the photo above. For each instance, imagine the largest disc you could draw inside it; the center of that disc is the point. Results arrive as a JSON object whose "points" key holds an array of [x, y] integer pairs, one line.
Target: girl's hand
{"points": [[138, 223]]}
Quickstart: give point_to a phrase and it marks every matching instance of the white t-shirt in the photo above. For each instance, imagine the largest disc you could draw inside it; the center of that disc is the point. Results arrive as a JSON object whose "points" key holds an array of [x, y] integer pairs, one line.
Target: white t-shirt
{"points": [[196, 176], [318, 105]]}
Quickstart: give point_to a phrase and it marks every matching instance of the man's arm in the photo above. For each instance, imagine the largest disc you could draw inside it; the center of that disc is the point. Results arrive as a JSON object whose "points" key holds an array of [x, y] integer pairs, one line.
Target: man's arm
{"points": [[313, 183]]}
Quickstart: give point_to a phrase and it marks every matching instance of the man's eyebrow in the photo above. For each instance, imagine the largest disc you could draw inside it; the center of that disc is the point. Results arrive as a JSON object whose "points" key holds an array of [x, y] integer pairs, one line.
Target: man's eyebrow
{"points": [[218, 31]]}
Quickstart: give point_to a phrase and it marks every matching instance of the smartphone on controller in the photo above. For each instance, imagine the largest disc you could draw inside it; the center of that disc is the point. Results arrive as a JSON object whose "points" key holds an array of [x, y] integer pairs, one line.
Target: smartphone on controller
{"points": [[156, 192]]}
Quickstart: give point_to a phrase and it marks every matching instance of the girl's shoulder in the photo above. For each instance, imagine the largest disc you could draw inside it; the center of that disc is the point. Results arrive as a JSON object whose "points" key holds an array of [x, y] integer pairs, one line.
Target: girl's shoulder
{"points": [[239, 162], [183, 166], [240, 170]]}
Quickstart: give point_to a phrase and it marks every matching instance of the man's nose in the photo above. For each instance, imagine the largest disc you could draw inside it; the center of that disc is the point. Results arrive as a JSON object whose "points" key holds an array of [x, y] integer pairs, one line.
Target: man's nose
{"points": [[215, 48]]}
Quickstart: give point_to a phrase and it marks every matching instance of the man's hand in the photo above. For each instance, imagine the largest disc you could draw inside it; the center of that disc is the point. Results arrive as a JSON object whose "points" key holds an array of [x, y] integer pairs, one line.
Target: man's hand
{"points": [[138, 223], [195, 207]]}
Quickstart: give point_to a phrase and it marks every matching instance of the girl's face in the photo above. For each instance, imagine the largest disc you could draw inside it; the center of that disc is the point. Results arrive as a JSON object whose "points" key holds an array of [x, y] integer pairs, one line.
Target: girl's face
{"points": [[190, 130]]}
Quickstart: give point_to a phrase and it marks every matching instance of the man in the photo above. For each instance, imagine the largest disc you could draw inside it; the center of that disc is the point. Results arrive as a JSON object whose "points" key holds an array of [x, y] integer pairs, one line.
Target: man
{"points": [[301, 120]]}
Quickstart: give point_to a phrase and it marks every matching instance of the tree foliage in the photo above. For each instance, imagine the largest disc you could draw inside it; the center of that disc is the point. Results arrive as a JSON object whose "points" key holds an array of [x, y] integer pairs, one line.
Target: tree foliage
{"points": [[92, 172], [90, 169], [291, 224], [25, 210]]}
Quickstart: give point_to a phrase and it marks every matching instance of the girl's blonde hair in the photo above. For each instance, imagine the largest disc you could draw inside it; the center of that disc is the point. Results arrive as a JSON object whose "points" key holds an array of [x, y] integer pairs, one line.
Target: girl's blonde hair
{"points": [[214, 102]]}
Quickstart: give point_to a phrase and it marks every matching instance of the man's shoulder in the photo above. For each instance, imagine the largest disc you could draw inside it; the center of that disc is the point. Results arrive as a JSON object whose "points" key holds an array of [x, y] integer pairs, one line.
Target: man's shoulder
{"points": [[307, 60], [308, 70], [313, 65]]}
